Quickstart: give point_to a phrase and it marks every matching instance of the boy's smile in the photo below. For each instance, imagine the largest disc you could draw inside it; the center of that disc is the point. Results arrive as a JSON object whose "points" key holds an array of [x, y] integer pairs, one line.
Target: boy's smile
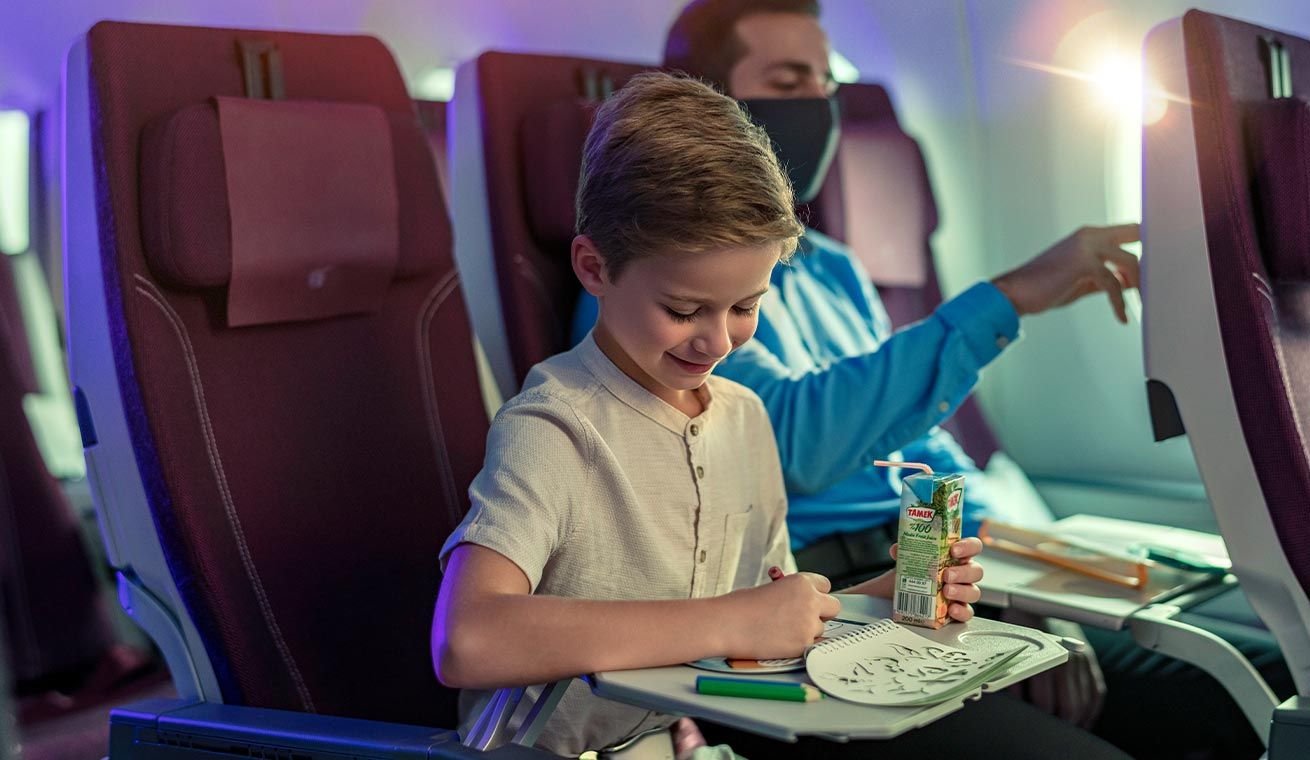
{"points": [[693, 368], [669, 319]]}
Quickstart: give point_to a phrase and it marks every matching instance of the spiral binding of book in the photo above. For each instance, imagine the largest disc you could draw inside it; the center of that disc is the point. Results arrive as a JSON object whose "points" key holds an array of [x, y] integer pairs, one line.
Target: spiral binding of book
{"points": [[871, 630]]}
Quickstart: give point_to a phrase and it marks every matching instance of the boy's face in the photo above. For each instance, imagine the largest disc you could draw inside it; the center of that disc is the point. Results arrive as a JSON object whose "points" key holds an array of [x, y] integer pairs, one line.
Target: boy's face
{"points": [[786, 57], [674, 317]]}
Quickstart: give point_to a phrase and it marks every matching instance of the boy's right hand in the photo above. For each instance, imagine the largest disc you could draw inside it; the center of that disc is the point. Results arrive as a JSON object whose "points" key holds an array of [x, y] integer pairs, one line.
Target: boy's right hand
{"points": [[778, 619]]}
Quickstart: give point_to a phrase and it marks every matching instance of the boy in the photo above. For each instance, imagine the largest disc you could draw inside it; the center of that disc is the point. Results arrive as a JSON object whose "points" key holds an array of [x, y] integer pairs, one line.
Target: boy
{"points": [[624, 470]]}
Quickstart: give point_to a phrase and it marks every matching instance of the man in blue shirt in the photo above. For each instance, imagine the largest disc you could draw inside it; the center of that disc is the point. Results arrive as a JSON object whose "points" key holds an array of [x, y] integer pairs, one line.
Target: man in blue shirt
{"points": [[842, 388]]}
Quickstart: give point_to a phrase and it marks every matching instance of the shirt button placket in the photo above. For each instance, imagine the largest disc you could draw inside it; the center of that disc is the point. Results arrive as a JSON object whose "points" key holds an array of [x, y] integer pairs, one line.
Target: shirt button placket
{"points": [[698, 570]]}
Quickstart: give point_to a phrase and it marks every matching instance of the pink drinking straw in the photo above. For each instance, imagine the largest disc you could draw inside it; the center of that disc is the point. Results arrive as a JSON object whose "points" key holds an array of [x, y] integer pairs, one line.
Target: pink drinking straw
{"points": [[915, 465]]}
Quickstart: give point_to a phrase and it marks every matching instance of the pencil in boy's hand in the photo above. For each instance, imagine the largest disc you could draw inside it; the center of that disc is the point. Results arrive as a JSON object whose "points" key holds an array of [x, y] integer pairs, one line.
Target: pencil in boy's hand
{"points": [[775, 573], [754, 688]]}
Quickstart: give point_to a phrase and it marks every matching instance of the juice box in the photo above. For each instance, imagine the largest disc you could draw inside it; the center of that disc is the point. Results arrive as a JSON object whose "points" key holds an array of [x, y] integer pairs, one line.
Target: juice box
{"points": [[932, 506]]}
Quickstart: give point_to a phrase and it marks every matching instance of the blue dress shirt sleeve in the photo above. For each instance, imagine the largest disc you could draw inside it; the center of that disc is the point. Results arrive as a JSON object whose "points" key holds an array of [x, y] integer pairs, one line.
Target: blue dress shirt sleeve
{"points": [[831, 420]]}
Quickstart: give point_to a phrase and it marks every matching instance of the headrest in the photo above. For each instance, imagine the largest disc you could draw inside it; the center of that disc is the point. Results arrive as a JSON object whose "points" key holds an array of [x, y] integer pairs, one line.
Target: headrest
{"points": [[551, 138], [888, 211], [1280, 131], [292, 206]]}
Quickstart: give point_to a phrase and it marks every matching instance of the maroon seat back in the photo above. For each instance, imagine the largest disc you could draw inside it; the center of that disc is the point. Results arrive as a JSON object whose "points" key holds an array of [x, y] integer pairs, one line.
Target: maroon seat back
{"points": [[55, 621], [536, 111], [1255, 192], [302, 470], [877, 199]]}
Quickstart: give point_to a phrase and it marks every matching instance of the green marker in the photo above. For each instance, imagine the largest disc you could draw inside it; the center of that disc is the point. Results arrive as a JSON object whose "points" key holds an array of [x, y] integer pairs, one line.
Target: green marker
{"points": [[1183, 560], [754, 688]]}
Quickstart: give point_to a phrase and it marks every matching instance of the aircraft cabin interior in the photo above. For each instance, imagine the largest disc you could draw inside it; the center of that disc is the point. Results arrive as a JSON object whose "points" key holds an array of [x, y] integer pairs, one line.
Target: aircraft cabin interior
{"points": [[654, 379]]}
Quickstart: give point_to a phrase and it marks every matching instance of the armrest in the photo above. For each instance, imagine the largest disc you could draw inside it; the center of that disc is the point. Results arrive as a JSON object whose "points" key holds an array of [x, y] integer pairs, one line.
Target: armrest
{"points": [[1291, 730], [1155, 628], [171, 729]]}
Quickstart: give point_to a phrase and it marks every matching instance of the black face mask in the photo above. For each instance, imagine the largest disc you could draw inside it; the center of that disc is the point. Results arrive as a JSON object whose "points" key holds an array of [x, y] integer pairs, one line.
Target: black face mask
{"points": [[805, 132]]}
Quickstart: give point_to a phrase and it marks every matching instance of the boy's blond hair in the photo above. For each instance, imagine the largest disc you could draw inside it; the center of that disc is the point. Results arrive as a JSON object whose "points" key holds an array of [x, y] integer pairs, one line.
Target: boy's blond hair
{"points": [[670, 165]]}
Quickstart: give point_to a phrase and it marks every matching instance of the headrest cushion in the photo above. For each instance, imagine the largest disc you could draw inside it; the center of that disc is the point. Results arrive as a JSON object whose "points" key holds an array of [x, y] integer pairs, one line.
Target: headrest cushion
{"points": [[551, 139], [1280, 131], [293, 206], [887, 210]]}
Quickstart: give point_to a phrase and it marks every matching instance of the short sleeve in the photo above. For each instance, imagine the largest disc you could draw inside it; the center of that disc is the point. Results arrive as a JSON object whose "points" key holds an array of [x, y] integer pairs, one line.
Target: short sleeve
{"points": [[533, 478]]}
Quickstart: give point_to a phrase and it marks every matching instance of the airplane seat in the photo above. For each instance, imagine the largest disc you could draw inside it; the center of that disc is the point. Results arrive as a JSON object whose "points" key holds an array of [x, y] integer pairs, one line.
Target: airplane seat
{"points": [[59, 644], [16, 358], [877, 199], [274, 376], [1225, 300], [44, 558], [519, 123]]}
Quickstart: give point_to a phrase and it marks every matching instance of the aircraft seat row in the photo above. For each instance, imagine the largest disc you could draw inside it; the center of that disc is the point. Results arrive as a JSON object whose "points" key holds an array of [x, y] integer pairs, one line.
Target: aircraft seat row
{"points": [[296, 423], [275, 368], [65, 662]]}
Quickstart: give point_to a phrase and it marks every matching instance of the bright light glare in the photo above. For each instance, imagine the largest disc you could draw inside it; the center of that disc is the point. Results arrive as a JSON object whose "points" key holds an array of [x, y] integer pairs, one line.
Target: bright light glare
{"points": [[436, 84], [843, 71], [15, 146], [1155, 101], [1119, 85], [1118, 82]]}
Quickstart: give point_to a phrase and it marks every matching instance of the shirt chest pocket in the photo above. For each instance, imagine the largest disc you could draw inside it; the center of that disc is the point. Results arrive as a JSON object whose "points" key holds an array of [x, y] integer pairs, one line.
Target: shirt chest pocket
{"points": [[743, 551]]}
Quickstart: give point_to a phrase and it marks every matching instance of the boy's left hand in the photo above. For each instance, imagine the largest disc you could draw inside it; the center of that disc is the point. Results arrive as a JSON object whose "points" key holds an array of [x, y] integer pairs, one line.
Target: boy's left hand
{"points": [[961, 580]]}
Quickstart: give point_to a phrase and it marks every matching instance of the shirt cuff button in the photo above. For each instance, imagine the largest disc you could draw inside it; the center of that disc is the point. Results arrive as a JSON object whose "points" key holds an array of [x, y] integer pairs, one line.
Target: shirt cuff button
{"points": [[943, 407], [1002, 341]]}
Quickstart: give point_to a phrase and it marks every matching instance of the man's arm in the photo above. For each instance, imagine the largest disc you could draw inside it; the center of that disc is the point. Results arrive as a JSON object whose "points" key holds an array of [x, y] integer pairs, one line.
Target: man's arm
{"points": [[831, 421], [490, 632]]}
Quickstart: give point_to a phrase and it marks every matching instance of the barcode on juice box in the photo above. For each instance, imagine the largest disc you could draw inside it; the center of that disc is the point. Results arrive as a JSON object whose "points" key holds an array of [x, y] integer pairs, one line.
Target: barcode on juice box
{"points": [[918, 605]]}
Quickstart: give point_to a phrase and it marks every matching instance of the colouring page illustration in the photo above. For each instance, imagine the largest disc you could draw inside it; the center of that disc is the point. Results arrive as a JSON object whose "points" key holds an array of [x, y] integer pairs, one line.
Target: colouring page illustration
{"points": [[888, 665]]}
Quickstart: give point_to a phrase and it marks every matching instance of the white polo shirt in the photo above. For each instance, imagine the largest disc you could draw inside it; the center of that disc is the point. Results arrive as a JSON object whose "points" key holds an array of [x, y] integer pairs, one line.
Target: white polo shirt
{"points": [[597, 489]]}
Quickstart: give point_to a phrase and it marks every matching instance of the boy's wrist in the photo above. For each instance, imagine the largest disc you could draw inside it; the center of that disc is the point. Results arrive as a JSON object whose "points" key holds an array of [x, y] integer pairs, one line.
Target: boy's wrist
{"points": [[720, 630], [880, 586]]}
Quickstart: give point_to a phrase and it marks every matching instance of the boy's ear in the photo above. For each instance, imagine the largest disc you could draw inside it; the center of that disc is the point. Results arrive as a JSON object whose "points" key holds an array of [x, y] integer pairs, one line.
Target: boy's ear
{"points": [[589, 266]]}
